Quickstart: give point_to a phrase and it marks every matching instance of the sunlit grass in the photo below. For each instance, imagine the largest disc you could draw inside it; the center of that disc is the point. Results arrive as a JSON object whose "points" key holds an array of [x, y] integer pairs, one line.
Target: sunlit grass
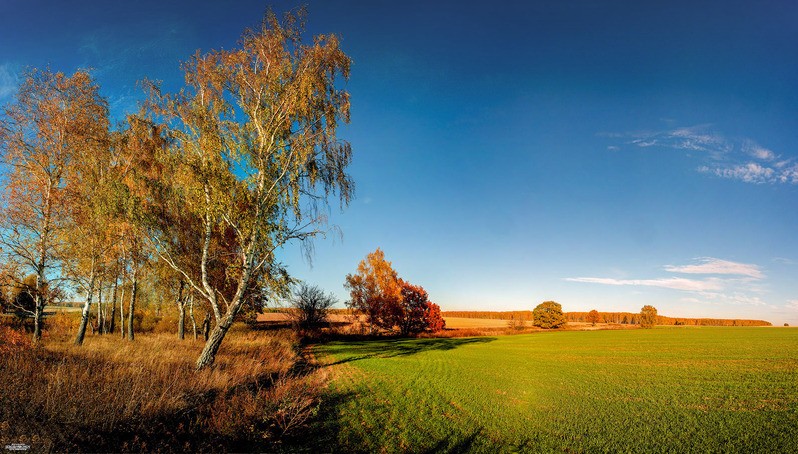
{"points": [[113, 395], [662, 390]]}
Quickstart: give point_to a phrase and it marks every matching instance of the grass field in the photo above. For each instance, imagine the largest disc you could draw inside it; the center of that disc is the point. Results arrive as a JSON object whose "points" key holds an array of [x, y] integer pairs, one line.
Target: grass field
{"points": [[662, 390]]}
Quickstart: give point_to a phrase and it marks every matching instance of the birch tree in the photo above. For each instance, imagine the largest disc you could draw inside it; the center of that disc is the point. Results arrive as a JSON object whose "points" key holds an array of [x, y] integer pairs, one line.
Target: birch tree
{"points": [[53, 120], [256, 149]]}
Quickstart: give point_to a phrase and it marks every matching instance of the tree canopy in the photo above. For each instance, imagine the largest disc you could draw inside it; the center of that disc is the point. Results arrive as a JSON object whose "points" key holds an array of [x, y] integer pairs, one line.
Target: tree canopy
{"points": [[648, 316], [387, 301], [548, 314]]}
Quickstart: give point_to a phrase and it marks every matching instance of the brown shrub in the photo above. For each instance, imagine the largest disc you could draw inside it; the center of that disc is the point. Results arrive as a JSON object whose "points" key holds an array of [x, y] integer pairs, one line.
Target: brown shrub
{"points": [[293, 400], [62, 324], [12, 341]]}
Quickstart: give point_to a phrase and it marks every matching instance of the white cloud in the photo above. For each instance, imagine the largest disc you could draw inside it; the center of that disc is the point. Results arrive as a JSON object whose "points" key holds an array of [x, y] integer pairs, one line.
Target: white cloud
{"points": [[759, 152], [737, 159], [674, 283], [792, 304], [749, 173], [710, 265], [726, 283], [753, 172]]}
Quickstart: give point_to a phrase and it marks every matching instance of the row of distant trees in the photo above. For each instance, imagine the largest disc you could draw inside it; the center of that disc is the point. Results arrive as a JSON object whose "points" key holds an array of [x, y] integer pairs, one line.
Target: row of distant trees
{"points": [[549, 314], [634, 319], [624, 318], [199, 187]]}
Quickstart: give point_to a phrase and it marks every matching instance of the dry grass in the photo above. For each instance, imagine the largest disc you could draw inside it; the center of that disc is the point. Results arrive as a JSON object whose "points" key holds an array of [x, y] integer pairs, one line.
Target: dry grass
{"points": [[115, 395], [467, 323]]}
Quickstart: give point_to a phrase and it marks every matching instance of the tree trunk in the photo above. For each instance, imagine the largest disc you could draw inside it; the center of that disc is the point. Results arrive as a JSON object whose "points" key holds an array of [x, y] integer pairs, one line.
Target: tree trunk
{"points": [[100, 313], [38, 312], [132, 307], [37, 322], [84, 319], [40, 266], [181, 322], [191, 315], [181, 307], [122, 312], [208, 355], [113, 309]]}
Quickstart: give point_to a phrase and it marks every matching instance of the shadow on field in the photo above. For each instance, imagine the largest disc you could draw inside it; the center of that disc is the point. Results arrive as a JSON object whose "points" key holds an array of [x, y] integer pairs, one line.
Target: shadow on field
{"points": [[327, 435], [458, 446], [324, 433], [397, 347]]}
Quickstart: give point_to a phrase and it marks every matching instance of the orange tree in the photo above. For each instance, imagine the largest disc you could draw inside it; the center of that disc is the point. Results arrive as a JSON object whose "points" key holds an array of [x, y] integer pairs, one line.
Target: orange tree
{"points": [[548, 314], [389, 302], [648, 316], [375, 290], [593, 317], [415, 313]]}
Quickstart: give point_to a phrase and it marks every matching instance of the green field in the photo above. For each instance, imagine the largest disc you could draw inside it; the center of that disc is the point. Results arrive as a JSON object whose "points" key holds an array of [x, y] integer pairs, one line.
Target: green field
{"points": [[662, 390]]}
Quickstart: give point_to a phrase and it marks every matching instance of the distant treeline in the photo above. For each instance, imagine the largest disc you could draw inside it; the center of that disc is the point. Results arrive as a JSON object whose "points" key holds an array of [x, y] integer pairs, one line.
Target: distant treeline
{"points": [[623, 318], [493, 315]]}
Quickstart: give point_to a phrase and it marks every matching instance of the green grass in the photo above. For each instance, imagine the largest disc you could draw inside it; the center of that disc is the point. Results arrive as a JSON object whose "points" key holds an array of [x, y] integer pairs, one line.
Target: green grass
{"points": [[662, 390]]}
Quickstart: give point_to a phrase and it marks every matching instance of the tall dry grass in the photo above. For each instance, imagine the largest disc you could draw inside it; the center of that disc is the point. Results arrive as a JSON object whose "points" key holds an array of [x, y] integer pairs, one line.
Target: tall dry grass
{"points": [[114, 395]]}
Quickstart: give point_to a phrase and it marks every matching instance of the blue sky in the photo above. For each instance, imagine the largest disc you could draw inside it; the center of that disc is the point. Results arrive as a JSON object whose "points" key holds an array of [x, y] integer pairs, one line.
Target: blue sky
{"points": [[601, 154]]}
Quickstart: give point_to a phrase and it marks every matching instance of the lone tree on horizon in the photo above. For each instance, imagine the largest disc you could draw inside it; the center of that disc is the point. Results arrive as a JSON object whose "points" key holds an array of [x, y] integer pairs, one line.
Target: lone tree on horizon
{"points": [[548, 314], [593, 317], [648, 316]]}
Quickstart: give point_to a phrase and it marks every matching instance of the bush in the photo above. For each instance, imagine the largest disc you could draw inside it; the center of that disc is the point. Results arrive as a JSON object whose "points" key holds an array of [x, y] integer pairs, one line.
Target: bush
{"points": [[292, 401], [12, 341], [435, 321], [516, 323], [548, 314], [310, 308]]}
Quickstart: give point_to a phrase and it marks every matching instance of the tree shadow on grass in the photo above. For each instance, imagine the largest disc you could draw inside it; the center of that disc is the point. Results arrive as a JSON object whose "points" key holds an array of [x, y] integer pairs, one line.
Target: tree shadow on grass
{"points": [[356, 351], [324, 432], [447, 445]]}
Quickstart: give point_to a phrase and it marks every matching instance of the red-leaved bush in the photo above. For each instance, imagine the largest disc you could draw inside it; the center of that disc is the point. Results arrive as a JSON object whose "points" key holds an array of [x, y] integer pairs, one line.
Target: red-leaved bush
{"points": [[435, 321], [12, 340], [389, 302]]}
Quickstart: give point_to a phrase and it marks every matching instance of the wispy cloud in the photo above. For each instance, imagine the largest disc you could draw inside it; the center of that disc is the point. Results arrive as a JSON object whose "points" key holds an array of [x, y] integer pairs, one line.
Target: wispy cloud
{"points": [[674, 283], [758, 152], [792, 304], [726, 282], [737, 159], [753, 172], [733, 298], [710, 265]]}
